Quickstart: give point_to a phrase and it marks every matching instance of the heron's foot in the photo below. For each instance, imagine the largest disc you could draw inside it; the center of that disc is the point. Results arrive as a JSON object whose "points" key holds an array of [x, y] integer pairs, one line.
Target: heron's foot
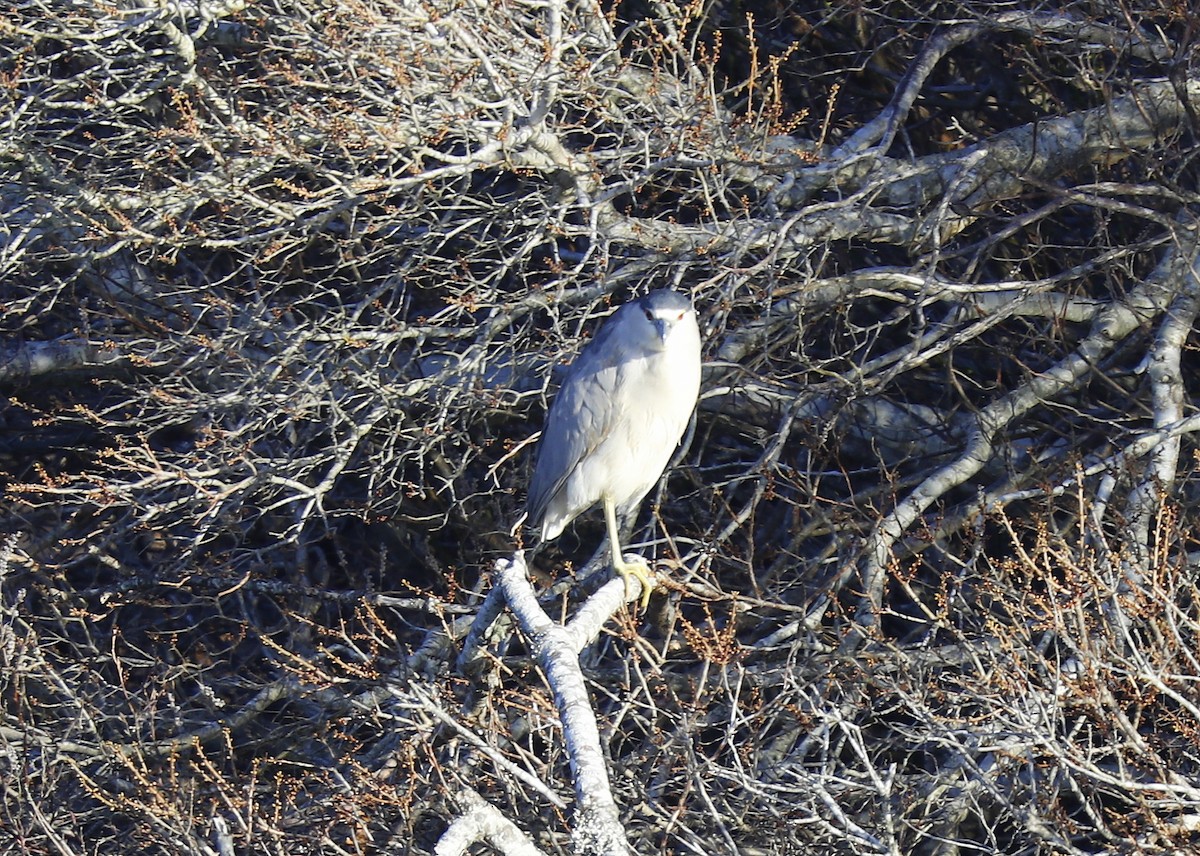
{"points": [[641, 572]]}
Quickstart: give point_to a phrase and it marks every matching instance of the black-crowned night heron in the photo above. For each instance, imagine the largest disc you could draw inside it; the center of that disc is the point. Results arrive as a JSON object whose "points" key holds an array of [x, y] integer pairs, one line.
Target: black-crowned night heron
{"points": [[619, 415]]}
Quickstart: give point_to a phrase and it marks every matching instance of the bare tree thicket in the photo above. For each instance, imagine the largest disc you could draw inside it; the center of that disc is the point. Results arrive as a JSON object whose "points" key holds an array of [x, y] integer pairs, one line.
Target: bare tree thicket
{"points": [[284, 288]]}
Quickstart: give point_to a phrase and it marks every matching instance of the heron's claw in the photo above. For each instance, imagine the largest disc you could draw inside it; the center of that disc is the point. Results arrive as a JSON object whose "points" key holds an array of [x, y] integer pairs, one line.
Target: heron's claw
{"points": [[639, 570]]}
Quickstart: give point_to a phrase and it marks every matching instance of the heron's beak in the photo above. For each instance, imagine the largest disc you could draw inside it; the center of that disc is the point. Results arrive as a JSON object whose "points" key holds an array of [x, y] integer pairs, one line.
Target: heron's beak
{"points": [[663, 330]]}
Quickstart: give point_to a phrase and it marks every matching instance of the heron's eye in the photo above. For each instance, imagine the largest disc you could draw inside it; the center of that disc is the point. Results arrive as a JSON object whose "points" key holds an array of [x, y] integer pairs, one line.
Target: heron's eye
{"points": [[649, 315], [679, 317]]}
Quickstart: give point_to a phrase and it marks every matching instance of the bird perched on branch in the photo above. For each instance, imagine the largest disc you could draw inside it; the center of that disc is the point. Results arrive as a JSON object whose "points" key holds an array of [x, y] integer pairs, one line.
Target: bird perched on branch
{"points": [[618, 417]]}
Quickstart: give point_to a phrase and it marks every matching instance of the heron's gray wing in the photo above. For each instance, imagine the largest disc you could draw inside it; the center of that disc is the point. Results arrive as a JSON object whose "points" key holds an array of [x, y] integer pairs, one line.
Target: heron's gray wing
{"points": [[582, 416]]}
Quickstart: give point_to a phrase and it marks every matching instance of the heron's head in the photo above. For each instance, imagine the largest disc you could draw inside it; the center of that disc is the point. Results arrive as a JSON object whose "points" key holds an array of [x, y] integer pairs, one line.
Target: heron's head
{"points": [[660, 315]]}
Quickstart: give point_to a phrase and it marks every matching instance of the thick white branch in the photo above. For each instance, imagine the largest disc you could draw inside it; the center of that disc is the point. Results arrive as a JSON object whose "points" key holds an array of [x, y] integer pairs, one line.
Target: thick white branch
{"points": [[598, 828], [483, 822]]}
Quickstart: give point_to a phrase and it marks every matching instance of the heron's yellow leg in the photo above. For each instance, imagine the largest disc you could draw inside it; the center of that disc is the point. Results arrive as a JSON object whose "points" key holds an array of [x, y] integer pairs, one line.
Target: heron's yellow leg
{"points": [[638, 569]]}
